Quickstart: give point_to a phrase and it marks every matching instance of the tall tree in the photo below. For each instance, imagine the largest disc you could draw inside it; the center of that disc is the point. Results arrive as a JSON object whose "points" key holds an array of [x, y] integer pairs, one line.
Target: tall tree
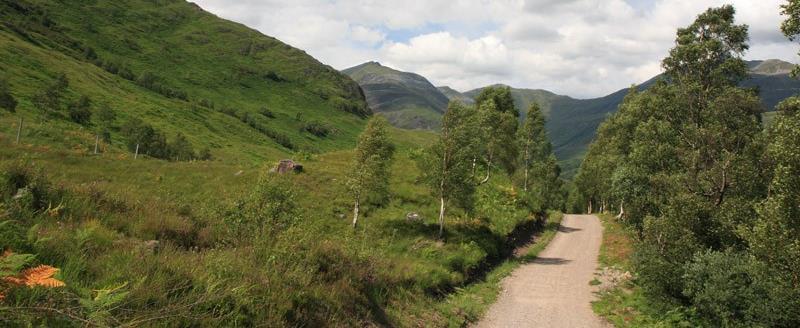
{"points": [[446, 165], [369, 173], [540, 173], [497, 118]]}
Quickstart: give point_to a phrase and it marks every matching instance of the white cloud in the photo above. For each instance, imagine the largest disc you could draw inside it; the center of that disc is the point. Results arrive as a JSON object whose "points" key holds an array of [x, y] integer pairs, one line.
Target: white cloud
{"points": [[581, 48]]}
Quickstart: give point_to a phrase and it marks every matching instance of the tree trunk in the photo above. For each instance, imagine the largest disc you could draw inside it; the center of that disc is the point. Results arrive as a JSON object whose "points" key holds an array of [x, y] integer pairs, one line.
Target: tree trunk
{"points": [[441, 217], [621, 211], [355, 213], [589, 209], [474, 165], [527, 166]]}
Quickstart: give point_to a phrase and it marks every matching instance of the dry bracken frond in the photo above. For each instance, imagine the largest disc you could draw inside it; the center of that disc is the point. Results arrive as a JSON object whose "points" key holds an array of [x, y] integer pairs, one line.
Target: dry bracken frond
{"points": [[38, 276], [41, 276]]}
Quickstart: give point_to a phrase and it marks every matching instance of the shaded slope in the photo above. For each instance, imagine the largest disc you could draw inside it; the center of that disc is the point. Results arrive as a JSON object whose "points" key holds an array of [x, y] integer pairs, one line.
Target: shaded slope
{"points": [[407, 100]]}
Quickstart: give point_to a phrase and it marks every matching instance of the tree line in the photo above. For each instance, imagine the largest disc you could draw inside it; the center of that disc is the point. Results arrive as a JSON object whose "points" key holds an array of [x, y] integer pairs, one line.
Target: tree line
{"points": [[474, 143], [713, 196]]}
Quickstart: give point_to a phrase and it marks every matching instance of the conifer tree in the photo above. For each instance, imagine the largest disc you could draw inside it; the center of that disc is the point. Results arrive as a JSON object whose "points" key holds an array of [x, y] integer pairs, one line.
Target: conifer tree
{"points": [[369, 173]]}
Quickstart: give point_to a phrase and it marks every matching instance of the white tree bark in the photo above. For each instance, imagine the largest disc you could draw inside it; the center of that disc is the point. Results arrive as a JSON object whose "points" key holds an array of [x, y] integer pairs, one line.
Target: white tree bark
{"points": [[621, 211], [355, 213], [441, 217]]}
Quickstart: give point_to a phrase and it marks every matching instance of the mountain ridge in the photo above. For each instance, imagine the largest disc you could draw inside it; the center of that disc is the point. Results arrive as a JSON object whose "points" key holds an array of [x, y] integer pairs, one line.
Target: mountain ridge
{"points": [[407, 100]]}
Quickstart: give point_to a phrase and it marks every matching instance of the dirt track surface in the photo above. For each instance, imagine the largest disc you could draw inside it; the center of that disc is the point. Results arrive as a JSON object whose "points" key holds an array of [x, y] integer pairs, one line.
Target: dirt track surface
{"points": [[553, 290]]}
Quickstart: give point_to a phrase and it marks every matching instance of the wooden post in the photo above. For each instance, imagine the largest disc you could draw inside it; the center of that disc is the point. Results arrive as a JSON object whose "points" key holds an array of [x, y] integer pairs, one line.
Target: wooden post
{"points": [[135, 155], [96, 140], [19, 129]]}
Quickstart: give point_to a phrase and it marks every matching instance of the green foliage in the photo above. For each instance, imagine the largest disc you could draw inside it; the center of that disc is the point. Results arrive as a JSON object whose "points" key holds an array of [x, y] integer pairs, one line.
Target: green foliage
{"points": [[318, 129], [105, 117], [12, 264], [707, 52], [7, 100], [181, 149], [791, 25], [722, 288], [142, 136], [496, 128], [268, 209], [539, 169], [80, 111], [98, 307], [686, 158], [48, 100], [446, 165], [368, 178]]}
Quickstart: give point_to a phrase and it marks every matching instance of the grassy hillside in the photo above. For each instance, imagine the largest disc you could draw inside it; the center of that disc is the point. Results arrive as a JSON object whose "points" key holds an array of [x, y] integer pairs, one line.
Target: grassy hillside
{"points": [[406, 99], [453, 94], [178, 68]]}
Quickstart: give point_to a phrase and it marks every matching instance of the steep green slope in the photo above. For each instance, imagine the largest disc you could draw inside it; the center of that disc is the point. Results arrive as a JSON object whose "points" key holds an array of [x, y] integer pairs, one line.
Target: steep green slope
{"points": [[179, 69], [407, 100]]}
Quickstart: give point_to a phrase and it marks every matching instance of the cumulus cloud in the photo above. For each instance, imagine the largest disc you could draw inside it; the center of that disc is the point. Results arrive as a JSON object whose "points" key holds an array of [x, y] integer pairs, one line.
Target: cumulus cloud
{"points": [[582, 48]]}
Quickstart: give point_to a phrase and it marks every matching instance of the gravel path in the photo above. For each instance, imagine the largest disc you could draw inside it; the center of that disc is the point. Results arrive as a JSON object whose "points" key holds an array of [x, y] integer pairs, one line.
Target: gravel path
{"points": [[553, 290]]}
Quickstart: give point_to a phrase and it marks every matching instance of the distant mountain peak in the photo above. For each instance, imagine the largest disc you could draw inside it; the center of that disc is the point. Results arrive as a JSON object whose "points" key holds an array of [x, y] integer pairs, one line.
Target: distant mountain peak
{"points": [[773, 67], [407, 100]]}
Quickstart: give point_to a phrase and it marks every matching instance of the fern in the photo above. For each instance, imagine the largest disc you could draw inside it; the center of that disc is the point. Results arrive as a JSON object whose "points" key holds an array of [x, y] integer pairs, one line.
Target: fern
{"points": [[11, 264]]}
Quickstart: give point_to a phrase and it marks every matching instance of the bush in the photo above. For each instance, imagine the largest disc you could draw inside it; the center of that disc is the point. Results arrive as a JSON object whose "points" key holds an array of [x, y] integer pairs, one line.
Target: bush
{"points": [[80, 111], [316, 128], [149, 140], [267, 113], [721, 287], [7, 101], [269, 208], [205, 154], [49, 98]]}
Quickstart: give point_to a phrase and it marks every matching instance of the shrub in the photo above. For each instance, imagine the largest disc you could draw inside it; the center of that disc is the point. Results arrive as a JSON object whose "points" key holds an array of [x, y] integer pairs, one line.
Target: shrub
{"points": [[269, 208], [267, 113], [49, 98], [316, 128], [7, 101], [149, 140], [80, 111], [721, 287], [205, 154], [181, 148]]}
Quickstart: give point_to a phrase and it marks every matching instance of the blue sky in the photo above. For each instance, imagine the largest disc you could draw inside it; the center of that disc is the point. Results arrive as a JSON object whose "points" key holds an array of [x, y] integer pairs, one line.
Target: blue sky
{"points": [[581, 48]]}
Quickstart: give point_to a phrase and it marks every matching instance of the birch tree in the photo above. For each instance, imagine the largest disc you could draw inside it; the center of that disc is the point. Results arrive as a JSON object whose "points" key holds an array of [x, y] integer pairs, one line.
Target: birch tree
{"points": [[369, 174], [446, 165], [498, 125]]}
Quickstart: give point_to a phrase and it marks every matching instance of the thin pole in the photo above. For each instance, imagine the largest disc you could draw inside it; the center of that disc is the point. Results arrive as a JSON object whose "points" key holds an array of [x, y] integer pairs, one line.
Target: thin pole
{"points": [[137, 152], [19, 129], [96, 140]]}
